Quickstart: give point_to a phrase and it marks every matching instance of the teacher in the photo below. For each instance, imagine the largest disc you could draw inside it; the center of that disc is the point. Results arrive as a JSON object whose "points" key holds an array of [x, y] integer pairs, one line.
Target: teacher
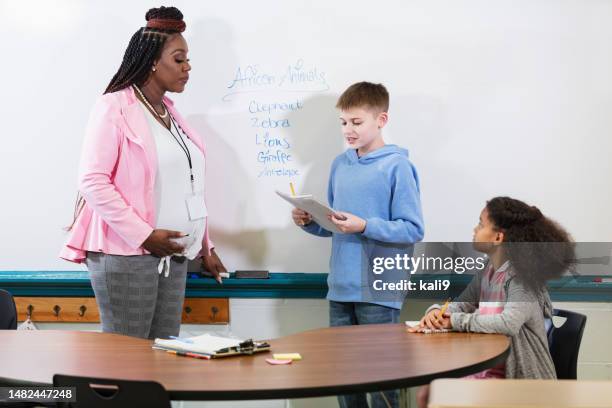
{"points": [[141, 213]]}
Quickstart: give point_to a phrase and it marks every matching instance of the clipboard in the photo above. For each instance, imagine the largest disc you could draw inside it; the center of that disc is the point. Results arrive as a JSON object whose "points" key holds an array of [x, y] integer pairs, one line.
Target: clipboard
{"points": [[246, 347], [209, 346], [318, 210]]}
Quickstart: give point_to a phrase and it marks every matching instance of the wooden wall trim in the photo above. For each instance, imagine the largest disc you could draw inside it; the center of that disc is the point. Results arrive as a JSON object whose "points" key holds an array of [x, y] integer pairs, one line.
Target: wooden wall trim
{"points": [[85, 310]]}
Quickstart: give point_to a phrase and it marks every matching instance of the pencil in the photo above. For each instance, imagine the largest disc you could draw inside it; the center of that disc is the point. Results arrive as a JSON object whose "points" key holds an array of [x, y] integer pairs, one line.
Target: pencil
{"points": [[187, 354], [293, 194], [443, 310]]}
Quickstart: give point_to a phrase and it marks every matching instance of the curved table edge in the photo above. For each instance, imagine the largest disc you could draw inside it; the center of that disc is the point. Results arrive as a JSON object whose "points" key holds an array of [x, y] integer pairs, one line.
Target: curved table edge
{"points": [[311, 392]]}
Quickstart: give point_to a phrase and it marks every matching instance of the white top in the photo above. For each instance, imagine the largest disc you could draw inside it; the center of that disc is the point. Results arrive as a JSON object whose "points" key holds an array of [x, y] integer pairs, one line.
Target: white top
{"points": [[173, 185]]}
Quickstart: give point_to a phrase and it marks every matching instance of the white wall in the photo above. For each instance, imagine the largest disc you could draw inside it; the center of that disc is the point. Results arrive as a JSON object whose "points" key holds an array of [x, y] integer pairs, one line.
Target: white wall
{"points": [[505, 97]]}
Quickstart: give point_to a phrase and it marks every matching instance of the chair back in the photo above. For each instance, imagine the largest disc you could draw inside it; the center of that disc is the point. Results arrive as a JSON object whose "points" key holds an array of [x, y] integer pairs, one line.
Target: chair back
{"points": [[564, 343], [8, 311], [109, 393]]}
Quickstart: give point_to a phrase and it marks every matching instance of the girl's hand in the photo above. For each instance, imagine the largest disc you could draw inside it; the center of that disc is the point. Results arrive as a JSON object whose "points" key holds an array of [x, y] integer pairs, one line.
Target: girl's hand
{"points": [[347, 223], [433, 322], [424, 320], [444, 321], [415, 329], [213, 265], [300, 218]]}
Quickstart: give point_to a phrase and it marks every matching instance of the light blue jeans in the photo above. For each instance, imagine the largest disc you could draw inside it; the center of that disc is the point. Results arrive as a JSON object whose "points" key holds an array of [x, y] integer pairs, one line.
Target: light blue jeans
{"points": [[352, 313]]}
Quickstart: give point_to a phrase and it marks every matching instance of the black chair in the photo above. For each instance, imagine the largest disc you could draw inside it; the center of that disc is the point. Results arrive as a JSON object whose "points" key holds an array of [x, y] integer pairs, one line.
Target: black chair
{"points": [[564, 343], [108, 393], [8, 311]]}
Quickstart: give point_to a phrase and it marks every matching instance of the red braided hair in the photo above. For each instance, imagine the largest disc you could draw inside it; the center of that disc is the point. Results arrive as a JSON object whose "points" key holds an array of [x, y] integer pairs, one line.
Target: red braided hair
{"points": [[166, 24]]}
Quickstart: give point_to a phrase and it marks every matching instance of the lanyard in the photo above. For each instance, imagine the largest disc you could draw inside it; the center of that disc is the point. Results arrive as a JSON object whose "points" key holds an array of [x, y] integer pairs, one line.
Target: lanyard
{"points": [[183, 145]]}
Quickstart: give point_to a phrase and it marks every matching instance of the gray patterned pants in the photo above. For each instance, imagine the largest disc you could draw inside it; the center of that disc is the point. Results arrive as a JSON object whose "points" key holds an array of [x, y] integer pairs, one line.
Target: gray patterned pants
{"points": [[133, 298]]}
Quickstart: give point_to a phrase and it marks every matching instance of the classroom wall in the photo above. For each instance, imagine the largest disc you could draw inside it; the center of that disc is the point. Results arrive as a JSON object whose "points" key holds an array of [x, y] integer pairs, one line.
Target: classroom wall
{"points": [[506, 97]]}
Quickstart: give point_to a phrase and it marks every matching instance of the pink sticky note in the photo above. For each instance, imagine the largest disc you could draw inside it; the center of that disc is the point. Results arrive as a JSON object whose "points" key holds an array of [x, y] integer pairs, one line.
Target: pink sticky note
{"points": [[278, 362]]}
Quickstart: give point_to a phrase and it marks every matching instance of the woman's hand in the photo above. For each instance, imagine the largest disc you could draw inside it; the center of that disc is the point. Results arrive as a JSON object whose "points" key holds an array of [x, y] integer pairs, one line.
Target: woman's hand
{"points": [[300, 217], [347, 223], [433, 321], [160, 243], [213, 265]]}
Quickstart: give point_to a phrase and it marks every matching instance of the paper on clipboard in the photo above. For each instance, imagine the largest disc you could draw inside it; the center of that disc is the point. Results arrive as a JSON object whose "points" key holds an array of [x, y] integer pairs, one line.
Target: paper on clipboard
{"points": [[315, 208]]}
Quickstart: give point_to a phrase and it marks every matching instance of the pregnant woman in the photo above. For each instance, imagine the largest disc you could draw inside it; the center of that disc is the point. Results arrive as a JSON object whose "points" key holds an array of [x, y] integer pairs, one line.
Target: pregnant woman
{"points": [[141, 212]]}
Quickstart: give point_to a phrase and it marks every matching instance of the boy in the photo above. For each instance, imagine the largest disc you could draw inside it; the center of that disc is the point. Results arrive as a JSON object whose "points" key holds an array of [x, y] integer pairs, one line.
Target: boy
{"points": [[374, 190]]}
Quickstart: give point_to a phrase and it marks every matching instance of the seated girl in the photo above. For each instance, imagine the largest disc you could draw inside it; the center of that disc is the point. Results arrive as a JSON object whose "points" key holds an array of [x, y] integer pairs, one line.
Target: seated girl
{"points": [[509, 296]]}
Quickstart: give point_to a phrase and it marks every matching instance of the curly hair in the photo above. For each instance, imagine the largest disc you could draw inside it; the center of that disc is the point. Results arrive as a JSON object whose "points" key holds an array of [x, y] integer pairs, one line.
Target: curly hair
{"points": [[146, 46], [538, 248]]}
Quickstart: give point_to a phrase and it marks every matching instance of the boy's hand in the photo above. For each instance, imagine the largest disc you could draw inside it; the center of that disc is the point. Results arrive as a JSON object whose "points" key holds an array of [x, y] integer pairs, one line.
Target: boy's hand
{"points": [[350, 224], [300, 217]]}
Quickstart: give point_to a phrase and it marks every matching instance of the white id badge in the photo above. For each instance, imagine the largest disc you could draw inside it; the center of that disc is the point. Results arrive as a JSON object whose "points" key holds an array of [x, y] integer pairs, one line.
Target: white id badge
{"points": [[196, 207]]}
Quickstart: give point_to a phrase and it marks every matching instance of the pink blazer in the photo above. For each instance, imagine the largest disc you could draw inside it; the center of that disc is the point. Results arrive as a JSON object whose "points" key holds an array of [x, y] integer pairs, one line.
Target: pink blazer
{"points": [[117, 178]]}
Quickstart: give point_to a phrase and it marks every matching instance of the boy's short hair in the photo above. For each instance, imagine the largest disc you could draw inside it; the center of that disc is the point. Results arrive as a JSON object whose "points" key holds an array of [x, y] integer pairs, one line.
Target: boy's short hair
{"points": [[364, 94]]}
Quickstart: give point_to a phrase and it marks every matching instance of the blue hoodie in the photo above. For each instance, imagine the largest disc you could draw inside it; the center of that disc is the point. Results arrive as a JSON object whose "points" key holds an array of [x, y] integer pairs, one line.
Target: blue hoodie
{"points": [[381, 187]]}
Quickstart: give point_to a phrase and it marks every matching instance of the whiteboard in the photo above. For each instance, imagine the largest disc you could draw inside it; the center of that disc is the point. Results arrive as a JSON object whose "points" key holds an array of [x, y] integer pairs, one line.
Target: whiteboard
{"points": [[491, 98]]}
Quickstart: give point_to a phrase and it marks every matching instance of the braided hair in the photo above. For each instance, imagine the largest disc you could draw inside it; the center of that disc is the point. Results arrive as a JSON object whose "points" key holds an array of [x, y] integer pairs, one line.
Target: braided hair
{"points": [[538, 248], [146, 46]]}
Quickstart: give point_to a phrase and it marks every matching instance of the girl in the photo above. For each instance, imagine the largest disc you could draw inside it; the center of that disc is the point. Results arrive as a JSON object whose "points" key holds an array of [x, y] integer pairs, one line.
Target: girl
{"points": [[509, 296]]}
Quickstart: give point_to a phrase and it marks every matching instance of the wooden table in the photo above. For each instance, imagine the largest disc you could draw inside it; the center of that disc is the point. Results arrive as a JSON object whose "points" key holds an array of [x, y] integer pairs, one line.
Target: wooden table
{"points": [[335, 361], [446, 393]]}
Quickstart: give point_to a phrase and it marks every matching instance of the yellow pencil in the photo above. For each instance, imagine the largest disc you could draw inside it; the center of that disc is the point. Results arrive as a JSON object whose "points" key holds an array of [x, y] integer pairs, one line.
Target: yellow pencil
{"points": [[443, 310], [293, 194]]}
